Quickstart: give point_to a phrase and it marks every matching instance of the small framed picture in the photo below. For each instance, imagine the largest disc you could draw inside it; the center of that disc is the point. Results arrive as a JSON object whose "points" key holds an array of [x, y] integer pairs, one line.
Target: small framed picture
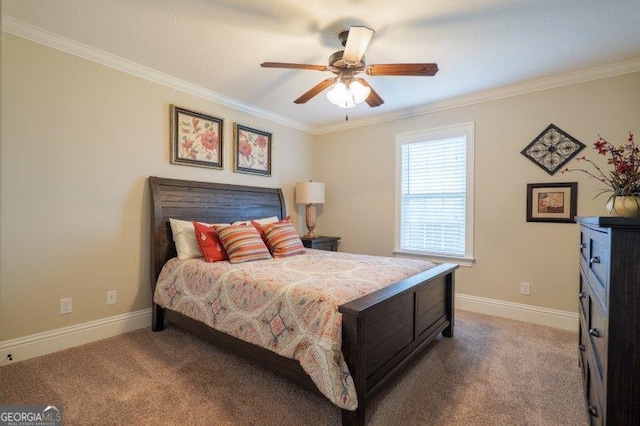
{"points": [[196, 138], [252, 150], [552, 202]]}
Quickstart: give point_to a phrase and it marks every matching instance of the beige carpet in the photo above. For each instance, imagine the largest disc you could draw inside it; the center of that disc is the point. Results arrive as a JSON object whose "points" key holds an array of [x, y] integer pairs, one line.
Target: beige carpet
{"points": [[494, 372]]}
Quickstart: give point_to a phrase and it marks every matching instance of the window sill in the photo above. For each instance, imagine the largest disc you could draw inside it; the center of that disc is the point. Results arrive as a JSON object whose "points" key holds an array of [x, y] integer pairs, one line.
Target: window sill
{"points": [[461, 261]]}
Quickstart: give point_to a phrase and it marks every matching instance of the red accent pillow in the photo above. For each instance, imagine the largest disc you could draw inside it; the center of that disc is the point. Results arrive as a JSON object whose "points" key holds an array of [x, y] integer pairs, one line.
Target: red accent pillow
{"points": [[209, 243]]}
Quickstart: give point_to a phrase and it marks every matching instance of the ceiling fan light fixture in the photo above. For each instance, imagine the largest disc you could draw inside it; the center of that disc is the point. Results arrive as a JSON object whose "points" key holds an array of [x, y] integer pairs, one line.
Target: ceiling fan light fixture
{"points": [[341, 96], [346, 64], [360, 91], [349, 96]]}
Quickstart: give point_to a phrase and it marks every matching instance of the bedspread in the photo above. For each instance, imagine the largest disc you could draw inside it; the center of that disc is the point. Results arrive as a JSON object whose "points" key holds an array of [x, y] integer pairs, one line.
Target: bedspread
{"points": [[287, 305]]}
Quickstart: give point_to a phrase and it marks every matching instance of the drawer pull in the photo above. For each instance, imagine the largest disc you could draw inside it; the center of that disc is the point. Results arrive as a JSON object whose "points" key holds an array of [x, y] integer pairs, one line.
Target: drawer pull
{"points": [[593, 410], [594, 332], [582, 294], [595, 259], [582, 347], [582, 245]]}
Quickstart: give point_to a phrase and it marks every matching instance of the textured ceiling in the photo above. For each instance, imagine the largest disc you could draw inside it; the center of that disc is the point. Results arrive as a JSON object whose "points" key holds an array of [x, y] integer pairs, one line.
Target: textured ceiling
{"points": [[219, 44]]}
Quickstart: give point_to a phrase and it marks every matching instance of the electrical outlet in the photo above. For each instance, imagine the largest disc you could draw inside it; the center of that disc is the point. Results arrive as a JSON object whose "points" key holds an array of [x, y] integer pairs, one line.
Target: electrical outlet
{"points": [[66, 306], [7, 360], [111, 297], [525, 289]]}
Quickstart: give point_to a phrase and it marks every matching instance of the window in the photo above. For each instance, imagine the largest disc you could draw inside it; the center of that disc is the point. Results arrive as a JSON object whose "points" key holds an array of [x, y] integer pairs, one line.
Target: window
{"points": [[434, 193]]}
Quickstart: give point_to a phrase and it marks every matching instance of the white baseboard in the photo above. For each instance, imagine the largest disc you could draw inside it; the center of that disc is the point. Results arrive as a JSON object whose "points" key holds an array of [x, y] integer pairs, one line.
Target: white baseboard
{"points": [[64, 338], [518, 311]]}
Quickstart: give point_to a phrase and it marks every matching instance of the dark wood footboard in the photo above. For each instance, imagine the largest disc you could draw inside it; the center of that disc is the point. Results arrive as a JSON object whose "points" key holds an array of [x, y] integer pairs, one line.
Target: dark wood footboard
{"points": [[383, 331]]}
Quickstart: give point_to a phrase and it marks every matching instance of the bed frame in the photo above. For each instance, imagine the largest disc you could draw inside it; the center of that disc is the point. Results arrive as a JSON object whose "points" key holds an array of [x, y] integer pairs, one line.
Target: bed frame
{"points": [[381, 332]]}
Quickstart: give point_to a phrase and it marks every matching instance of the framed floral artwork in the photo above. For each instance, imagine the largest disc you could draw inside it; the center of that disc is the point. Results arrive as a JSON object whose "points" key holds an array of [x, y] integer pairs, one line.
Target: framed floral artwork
{"points": [[196, 138], [252, 149], [552, 202], [552, 149]]}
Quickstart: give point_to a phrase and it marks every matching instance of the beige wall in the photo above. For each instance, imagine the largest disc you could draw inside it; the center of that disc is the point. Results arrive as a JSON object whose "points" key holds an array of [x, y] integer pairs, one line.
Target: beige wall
{"points": [[78, 142], [358, 168]]}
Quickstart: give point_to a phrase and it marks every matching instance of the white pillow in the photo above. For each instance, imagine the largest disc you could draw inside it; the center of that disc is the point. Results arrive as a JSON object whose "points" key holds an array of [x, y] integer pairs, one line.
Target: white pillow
{"points": [[184, 237], [262, 221]]}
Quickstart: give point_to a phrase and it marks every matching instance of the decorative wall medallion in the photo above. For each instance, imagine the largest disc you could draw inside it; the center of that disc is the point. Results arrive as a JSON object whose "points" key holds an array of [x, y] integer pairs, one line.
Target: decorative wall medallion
{"points": [[552, 149]]}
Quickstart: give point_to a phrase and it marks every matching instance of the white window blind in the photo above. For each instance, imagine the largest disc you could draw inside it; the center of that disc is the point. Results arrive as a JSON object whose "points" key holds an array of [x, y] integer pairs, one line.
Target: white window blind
{"points": [[433, 196], [434, 193]]}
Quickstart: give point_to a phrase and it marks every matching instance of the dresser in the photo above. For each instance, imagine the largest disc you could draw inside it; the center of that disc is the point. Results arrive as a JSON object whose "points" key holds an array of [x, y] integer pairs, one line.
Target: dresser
{"points": [[321, 243], [609, 337]]}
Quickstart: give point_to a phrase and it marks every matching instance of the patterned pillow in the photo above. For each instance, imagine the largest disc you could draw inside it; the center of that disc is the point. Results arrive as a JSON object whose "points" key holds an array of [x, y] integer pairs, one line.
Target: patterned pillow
{"points": [[283, 239], [260, 227], [209, 243], [242, 243]]}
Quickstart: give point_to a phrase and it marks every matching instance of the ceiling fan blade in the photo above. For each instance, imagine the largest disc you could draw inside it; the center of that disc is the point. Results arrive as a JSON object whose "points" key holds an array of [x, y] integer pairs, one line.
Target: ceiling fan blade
{"points": [[373, 99], [315, 90], [295, 66], [357, 42], [403, 69]]}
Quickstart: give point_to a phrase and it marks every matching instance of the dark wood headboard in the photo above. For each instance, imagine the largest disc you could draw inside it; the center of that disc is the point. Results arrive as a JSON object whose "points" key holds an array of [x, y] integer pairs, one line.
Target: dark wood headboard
{"points": [[204, 202]]}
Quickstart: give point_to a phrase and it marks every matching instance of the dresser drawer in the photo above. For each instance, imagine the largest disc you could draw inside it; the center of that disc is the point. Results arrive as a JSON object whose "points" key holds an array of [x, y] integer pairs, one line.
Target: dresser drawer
{"points": [[583, 296], [597, 332], [594, 259], [594, 406], [582, 356]]}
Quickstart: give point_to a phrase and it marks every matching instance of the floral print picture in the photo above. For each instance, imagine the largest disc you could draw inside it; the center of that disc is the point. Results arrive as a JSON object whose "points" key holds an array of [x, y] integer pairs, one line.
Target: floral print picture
{"points": [[196, 139], [252, 150]]}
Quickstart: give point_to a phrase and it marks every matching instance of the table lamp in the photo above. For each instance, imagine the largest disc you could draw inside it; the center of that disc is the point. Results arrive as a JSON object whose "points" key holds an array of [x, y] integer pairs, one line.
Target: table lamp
{"points": [[310, 193]]}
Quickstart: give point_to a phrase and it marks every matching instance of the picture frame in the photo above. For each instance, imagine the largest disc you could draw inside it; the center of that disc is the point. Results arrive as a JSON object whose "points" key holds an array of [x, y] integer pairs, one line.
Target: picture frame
{"points": [[252, 150], [552, 202], [196, 138], [552, 149]]}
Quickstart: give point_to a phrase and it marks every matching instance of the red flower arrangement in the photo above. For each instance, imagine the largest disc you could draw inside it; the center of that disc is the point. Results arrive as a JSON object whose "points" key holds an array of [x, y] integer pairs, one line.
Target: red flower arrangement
{"points": [[624, 179]]}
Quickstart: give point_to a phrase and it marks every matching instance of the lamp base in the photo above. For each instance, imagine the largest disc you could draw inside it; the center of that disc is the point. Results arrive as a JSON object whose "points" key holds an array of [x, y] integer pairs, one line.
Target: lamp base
{"points": [[310, 216]]}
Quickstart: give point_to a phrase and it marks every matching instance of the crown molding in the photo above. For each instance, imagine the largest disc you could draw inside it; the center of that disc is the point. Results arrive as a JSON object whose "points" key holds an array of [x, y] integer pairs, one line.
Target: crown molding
{"points": [[561, 80], [47, 38]]}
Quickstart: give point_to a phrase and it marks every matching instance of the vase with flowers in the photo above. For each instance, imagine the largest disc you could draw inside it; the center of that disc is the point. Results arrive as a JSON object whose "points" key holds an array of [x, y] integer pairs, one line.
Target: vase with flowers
{"points": [[623, 182]]}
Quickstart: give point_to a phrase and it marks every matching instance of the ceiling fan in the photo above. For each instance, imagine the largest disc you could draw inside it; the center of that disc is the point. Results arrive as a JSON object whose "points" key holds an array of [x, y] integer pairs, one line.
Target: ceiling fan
{"points": [[346, 64]]}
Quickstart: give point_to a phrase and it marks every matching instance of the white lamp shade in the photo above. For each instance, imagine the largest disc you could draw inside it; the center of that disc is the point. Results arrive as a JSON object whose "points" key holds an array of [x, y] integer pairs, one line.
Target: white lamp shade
{"points": [[309, 193]]}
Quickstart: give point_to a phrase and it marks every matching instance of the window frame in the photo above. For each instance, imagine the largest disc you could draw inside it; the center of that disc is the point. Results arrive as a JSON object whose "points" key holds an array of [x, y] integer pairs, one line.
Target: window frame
{"points": [[455, 130]]}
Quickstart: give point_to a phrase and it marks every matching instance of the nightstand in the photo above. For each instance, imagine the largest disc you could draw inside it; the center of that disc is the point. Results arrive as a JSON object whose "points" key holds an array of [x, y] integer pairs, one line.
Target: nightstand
{"points": [[321, 243]]}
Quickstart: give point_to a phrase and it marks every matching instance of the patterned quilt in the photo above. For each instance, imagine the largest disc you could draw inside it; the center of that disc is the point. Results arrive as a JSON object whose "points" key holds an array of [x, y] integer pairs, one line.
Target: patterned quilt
{"points": [[287, 305]]}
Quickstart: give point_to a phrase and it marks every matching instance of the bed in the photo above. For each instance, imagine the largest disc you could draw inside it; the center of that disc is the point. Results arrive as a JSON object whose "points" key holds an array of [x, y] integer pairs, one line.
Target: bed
{"points": [[381, 331]]}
